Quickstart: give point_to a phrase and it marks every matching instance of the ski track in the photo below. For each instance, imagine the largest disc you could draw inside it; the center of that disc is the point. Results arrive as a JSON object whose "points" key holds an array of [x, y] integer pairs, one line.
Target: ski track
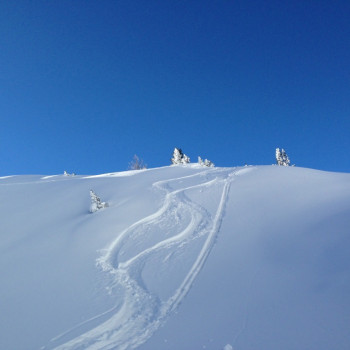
{"points": [[142, 312]]}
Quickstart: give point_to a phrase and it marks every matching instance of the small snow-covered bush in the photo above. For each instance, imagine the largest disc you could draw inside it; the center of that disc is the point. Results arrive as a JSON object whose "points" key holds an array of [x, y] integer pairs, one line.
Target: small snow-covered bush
{"points": [[137, 164], [281, 157], [205, 162], [179, 157], [96, 203]]}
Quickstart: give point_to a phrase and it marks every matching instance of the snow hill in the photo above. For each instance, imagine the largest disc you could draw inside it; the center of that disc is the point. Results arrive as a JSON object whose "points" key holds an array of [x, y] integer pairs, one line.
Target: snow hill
{"points": [[185, 257]]}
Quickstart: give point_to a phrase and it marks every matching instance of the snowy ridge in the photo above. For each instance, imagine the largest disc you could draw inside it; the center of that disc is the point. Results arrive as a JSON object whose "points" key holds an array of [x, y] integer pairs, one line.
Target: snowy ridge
{"points": [[142, 311]]}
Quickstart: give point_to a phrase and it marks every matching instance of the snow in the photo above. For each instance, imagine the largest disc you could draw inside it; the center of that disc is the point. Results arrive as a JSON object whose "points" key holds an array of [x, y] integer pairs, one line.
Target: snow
{"points": [[184, 257], [118, 174]]}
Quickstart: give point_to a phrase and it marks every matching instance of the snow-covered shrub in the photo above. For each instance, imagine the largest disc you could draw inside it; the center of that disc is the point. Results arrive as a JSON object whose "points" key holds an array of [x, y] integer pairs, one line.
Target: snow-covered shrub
{"points": [[179, 157], [137, 164], [96, 203], [205, 162], [281, 157]]}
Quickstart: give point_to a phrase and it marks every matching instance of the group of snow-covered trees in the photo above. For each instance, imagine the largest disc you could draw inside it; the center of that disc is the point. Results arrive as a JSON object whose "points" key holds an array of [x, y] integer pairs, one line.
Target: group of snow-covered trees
{"points": [[281, 157], [180, 158], [205, 162]]}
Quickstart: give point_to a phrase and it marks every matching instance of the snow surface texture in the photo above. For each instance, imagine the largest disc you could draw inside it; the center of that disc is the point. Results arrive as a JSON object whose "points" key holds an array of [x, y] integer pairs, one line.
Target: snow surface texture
{"points": [[258, 258]]}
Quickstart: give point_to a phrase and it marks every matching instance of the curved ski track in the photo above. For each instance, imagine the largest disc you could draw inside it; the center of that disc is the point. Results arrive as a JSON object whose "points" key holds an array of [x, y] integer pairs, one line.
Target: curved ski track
{"points": [[142, 312]]}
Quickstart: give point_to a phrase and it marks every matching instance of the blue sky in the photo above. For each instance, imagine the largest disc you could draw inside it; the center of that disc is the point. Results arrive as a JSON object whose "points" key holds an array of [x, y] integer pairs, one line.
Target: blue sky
{"points": [[85, 85]]}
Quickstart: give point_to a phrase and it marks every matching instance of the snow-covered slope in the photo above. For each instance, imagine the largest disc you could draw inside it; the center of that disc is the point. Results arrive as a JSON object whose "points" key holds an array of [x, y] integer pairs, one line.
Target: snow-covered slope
{"points": [[184, 257]]}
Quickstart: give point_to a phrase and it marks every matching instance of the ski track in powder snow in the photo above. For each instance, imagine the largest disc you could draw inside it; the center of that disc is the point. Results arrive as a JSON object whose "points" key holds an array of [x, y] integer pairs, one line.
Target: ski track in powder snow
{"points": [[142, 312]]}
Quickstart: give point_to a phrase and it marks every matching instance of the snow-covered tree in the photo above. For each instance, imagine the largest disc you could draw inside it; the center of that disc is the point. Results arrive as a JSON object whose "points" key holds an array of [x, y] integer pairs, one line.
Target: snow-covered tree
{"points": [[205, 162], [179, 157], [185, 159], [137, 164], [96, 203], [282, 157]]}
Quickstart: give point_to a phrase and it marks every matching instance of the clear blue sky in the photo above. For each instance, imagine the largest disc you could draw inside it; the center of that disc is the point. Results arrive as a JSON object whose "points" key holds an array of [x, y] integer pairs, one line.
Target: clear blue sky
{"points": [[85, 85]]}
